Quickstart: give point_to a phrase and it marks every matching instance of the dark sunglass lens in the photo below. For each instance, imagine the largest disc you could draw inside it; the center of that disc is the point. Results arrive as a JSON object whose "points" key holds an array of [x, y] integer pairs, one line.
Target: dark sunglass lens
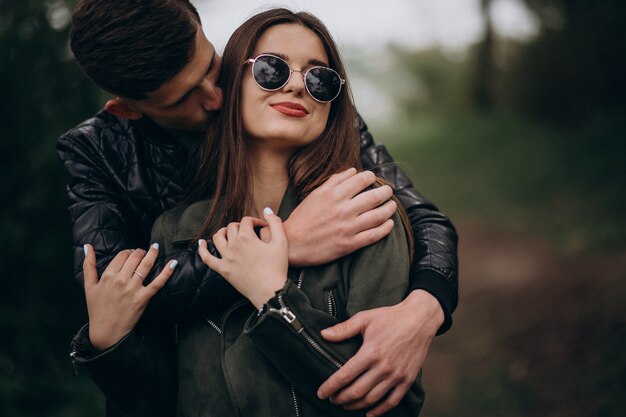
{"points": [[270, 72], [323, 83]]}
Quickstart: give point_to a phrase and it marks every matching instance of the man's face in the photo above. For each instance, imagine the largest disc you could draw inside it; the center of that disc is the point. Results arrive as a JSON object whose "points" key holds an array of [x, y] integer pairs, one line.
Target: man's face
{"points": [[186, 100]]}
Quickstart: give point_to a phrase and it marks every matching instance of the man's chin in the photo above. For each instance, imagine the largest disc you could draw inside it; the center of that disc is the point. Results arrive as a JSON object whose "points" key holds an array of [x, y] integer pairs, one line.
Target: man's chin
{"points": [[199, 126], [187, 127]]}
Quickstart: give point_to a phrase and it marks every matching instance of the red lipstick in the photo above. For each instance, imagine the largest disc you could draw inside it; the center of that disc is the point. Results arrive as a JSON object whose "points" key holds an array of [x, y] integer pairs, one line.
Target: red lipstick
{"points": [[290, 109]]}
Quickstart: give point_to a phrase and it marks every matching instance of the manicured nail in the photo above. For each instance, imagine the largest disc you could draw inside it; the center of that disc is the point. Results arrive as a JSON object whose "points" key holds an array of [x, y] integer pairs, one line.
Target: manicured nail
{"points": [[173, 264], [201, 242], [268, 210], [86, 249], [155, 246]]}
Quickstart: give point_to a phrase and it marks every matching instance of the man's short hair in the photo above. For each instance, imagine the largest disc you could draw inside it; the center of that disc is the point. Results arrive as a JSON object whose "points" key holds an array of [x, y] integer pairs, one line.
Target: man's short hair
{"points": [[132, 47]]}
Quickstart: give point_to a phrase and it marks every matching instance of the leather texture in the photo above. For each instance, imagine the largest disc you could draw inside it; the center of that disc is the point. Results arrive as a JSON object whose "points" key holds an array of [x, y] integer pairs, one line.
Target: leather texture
{"points": [[122, 174]]}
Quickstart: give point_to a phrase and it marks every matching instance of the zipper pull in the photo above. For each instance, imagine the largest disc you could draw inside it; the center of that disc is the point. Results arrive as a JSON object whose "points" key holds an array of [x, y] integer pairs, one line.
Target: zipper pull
{"points": [[73, 355], [290, 318]]}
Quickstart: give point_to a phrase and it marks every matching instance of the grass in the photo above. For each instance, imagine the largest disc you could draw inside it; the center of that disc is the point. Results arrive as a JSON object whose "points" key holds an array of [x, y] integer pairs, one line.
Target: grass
{"points": [[518, 175]]}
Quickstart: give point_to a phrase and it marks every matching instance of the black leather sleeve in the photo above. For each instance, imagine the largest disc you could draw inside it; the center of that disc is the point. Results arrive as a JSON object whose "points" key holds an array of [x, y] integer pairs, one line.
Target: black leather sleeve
{"points": [[137, 375], [435, 262], [102, 217]]}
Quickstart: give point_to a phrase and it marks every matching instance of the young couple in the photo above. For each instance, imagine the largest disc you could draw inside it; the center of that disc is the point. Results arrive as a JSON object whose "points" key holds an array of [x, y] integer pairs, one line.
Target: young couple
{"points": [[329, 311]]}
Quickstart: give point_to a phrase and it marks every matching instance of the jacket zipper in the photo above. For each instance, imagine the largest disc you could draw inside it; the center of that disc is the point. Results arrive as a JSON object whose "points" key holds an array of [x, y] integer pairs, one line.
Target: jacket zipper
{"points": [[332, 304], [292, 320], [214, 325], [73, 355], [296, 404], [300, 279]]}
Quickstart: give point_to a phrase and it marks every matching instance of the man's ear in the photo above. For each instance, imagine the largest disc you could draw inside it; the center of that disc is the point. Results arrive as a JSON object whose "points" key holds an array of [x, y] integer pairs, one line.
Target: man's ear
{"points": [[122, 108]]}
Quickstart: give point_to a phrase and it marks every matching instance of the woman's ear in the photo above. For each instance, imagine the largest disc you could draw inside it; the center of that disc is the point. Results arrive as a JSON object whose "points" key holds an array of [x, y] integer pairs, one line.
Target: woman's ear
{"points": [[122, 108]]}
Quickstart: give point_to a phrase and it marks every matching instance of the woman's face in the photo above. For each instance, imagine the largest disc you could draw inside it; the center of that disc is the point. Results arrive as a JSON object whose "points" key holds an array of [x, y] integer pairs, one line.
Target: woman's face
{"points": [[288, 118]]}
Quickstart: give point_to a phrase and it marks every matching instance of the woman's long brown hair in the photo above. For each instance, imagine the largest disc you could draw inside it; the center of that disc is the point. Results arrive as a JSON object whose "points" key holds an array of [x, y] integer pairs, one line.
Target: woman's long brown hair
{"points": [[224, 171]]}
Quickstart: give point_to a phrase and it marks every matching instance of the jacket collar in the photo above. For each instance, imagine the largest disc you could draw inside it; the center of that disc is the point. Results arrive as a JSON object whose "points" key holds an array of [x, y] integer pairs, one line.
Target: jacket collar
{"points": [[193, 216], [154, 133]]}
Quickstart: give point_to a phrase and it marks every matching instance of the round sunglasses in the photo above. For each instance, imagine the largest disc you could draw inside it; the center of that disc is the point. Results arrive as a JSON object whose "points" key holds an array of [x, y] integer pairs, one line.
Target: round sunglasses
{"points": [[272, 73]]}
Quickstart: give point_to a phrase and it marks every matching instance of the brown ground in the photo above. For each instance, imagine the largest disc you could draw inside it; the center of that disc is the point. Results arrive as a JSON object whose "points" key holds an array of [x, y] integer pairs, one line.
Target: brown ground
{"points": [[538, 332]]}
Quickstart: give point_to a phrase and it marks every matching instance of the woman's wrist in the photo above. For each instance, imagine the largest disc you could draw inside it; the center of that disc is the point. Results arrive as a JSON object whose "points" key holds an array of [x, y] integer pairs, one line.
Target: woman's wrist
{"points": [[103, 340], [267, 292]]}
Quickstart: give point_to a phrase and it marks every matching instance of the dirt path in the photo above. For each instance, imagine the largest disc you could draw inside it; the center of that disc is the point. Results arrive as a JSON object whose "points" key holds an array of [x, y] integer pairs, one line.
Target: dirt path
{"points": [[537, 333]]}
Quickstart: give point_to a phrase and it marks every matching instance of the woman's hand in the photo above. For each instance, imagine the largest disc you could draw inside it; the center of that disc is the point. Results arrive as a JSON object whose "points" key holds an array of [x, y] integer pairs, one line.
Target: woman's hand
{"points": [[256, 267], [116, 301]]}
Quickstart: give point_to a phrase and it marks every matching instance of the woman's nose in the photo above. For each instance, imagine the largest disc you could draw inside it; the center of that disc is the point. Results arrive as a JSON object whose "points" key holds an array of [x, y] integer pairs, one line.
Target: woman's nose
{"points": [[295, 83]]}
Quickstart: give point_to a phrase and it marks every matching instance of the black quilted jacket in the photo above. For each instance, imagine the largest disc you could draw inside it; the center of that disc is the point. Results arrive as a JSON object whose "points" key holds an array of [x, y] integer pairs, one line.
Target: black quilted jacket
{"points": [[122, 174]]}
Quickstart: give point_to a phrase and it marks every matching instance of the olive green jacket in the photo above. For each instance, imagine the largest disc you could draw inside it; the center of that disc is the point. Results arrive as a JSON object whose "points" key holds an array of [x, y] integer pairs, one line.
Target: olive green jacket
{"points": [[271, 363]]}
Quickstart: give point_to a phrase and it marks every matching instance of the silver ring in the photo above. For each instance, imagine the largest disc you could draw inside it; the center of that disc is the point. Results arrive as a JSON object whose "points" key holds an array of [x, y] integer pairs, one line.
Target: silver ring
{"points": [[140, 276]]}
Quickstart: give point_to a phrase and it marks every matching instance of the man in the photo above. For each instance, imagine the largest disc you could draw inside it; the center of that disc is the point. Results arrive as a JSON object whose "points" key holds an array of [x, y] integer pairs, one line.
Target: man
{"points": [[133, 161]]}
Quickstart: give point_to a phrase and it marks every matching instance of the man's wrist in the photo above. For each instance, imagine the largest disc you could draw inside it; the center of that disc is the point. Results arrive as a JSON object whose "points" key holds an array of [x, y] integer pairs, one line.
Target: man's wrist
{"points": [[436, 284], [293, 250], [423, 300]]}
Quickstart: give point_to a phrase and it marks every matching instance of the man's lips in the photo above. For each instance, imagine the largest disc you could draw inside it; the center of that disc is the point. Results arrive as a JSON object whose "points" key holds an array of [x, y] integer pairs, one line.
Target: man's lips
{"points": [[290, 109]]}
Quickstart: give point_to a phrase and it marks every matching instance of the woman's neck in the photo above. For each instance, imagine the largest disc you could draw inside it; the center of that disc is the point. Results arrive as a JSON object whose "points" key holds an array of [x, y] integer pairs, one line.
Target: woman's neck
{"points": [[269, 179]]}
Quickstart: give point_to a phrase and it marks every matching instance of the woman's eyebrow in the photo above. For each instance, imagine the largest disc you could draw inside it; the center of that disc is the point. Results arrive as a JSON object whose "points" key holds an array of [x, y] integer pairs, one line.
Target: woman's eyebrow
{"points": [[318, 62], [278, 54], [310, 62]]}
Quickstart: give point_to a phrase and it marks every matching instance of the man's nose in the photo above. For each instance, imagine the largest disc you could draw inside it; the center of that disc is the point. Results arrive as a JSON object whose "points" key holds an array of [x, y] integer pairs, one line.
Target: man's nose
{"points": [[211, 96]]}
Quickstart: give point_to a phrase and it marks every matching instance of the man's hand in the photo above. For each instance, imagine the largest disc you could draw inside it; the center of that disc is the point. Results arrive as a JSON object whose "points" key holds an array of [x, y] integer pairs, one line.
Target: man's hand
{"points": [[116, 301], [338, 218], [396, 340]]}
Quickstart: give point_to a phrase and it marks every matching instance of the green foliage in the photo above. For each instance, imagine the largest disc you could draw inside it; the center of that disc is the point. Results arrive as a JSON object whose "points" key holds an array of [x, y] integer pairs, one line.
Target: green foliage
{"points": [[550, 152], [519, 175], [43, 94], [575, 69], [442, 82]]}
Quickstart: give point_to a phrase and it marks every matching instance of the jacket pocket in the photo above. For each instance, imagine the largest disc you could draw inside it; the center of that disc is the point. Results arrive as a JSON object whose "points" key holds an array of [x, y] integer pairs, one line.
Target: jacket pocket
{"points": [[287, 315]]}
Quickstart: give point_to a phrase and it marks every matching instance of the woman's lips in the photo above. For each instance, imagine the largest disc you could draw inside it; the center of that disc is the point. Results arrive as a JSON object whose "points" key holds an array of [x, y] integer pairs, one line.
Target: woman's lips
{"points": [[290, 109]]}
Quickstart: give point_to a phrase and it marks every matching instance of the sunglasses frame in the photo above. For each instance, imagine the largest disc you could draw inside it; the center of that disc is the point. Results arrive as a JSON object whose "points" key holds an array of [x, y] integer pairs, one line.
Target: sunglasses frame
{"points": [[291, 71]]}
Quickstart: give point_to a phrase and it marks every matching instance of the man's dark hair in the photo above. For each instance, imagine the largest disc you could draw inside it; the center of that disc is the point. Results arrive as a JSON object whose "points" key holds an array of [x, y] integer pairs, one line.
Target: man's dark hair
{"points": [[132, 47]]}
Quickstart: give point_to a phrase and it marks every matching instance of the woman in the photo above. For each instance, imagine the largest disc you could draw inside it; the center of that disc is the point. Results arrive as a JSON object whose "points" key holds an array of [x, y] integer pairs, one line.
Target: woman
{"points": [[288, 123]]}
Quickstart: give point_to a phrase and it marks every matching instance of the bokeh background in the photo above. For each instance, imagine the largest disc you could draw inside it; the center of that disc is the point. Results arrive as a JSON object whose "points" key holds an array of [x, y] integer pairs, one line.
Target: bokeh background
{"points": [[509, 114]]}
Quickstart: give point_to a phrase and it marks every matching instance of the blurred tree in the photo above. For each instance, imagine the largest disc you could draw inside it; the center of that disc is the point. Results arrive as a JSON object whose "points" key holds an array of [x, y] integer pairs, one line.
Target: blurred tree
{"points": [[440, 83], [43, 94], [575, 68], [482, 91]]}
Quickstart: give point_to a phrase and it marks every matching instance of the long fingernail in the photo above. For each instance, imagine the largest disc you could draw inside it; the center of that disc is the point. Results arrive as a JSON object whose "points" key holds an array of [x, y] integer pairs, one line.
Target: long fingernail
{"points": [[86, 249], [268, 210], [173, 264], [201, 242], [155, 246]]}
